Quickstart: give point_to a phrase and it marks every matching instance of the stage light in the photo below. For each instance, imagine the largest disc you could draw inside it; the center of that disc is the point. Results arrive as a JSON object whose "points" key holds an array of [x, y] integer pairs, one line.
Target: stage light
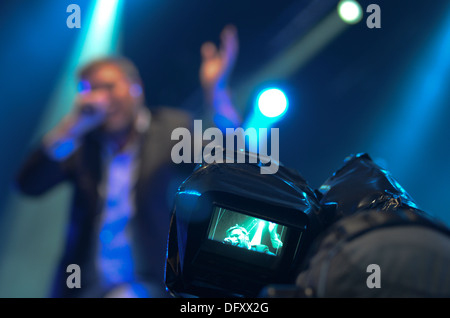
{"points": [[420, 102], [256, 240], [272, 102], [350, 11], [105, 12], [270, 106], [102, 34], [98, 36], [297, 52]]}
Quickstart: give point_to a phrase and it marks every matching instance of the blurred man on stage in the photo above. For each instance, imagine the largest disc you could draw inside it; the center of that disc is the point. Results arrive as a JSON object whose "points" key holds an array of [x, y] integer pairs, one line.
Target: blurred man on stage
{"points": [[117, 154]]}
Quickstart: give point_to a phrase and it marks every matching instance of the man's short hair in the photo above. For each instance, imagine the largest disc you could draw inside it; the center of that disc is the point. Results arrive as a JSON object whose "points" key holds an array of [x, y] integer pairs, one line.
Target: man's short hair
{"points": [[124, 64], [237, 227]]}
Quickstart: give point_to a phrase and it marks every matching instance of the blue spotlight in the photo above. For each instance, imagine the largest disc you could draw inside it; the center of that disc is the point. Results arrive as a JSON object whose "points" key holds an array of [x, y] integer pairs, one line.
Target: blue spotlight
{"points": [[421, 102], [270, 105], [272, 102], [350, 11], [99, 37]]}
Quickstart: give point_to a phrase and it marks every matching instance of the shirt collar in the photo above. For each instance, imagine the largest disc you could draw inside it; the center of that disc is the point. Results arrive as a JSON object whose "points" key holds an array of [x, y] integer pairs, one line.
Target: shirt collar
{"points": [[141, 126]]}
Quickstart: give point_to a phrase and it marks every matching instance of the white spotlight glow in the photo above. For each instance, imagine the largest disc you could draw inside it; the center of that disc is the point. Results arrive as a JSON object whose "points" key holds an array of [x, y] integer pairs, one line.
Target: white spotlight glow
{"points": [[272, 102], [350, 11]]}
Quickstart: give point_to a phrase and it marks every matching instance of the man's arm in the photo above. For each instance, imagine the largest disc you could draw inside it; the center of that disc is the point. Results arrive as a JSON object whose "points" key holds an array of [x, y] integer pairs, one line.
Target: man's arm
{"points": [[50, 163], [215, 71], [40, 172]]}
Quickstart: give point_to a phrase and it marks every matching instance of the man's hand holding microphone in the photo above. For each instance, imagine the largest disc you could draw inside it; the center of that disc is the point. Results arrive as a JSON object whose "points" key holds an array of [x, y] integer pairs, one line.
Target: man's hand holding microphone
{"points": [[89, 112]]}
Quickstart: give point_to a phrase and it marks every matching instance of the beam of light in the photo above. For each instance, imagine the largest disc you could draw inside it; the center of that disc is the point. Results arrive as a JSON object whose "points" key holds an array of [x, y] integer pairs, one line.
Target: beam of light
{"points": [[256, 240], [420, 104], [295, 56], [103, 32], [287, 63], [99, 37]]}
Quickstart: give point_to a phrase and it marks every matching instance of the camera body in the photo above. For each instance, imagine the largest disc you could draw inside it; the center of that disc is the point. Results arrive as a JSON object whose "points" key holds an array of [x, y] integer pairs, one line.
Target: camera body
{"points": [[238, 233], [234, 230]]}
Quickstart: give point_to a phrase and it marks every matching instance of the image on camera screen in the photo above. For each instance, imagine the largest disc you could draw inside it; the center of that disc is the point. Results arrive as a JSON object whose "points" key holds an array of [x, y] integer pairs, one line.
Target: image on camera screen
{"points": [[245, 231]]}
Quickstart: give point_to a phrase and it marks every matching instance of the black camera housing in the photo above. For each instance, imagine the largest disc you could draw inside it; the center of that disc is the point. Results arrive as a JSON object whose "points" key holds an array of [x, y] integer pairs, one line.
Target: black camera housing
{"points": [[360, 197], [199, 264]]}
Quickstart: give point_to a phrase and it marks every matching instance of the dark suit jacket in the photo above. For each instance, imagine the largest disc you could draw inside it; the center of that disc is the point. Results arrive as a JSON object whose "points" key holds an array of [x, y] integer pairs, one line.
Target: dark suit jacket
{"points": [[83, 169]]}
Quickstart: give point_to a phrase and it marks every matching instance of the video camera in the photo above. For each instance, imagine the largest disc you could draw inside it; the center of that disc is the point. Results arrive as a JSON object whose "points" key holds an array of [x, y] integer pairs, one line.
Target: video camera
{"points": [[234, 230]]}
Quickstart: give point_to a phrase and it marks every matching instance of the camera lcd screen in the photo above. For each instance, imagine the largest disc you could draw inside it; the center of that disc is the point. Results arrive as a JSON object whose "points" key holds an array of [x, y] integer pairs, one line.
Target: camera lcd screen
{"points": [[247, 232]]}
